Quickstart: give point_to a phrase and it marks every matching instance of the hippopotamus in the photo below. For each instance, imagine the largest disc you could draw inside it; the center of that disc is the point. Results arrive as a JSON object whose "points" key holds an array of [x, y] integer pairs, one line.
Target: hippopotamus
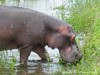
{"points": [[30, 30]]}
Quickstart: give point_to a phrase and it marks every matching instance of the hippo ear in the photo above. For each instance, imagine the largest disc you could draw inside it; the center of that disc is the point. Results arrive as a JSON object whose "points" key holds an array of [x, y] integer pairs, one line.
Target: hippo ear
{"points": [[71, 36], [67, 31]]}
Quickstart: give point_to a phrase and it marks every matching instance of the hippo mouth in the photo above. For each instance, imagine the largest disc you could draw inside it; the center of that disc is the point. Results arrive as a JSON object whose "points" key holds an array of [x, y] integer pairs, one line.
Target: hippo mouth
{"points": [[71, 54]]}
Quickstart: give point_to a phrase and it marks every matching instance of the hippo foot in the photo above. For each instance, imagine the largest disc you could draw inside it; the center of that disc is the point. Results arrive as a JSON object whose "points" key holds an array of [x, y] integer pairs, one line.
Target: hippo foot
{"points": [[46, 60], [23, 65]]}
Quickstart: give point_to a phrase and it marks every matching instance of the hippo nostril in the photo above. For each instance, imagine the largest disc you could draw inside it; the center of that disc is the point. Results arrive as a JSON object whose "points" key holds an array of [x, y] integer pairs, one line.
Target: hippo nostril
{"points": [[78, 56]]}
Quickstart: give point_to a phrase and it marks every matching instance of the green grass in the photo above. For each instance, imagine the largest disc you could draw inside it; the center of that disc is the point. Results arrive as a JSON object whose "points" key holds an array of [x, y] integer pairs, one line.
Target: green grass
{"points": [[7, 65], [85, 18]]}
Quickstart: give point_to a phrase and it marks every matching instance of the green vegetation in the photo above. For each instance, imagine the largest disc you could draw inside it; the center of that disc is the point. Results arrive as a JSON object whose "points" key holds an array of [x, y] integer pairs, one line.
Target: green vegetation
{"points": [[84, 16], [7, 64], [2, 1]]}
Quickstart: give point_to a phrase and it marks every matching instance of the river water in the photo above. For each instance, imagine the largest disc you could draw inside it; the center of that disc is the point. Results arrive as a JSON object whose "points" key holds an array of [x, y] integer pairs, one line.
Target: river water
{"points": [[35, 68]]}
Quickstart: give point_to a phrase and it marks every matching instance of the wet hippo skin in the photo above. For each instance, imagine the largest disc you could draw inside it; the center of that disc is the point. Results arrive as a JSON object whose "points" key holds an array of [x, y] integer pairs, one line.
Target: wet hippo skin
{"points": [[29, 30]]}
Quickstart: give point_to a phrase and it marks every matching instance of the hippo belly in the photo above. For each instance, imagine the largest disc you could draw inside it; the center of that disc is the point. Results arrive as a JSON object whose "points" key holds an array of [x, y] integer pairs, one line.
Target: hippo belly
{"points": [[7, 45]]}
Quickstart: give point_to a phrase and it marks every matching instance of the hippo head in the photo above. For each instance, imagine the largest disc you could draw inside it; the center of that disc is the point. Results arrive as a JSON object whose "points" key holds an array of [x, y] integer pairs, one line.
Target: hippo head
{"points": [[70, 52], [65, 42]]}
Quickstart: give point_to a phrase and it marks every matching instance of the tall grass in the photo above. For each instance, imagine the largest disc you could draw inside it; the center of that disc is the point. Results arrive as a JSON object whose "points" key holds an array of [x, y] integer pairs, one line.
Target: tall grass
{"points": [[7, 64], [84, 16]]}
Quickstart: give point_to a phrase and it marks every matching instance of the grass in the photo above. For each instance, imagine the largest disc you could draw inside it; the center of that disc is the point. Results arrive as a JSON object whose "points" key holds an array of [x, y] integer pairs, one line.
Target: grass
{"points": [[84, 16], [7, 64]]}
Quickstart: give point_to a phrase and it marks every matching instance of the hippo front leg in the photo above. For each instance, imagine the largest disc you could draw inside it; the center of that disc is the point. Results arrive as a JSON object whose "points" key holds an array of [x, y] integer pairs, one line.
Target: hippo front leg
{"points": [[25, 47], [42, 53], [24, 54]]}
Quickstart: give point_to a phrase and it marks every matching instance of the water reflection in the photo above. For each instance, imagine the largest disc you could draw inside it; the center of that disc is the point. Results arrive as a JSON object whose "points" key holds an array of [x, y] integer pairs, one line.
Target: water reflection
{"points": [[38, 69], [32, 70], [34, 66]]}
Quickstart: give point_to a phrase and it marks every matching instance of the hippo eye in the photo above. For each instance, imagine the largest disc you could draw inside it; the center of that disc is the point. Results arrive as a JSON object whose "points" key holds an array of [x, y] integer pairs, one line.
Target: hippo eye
{"points": [[68, 41], [69, 29]]}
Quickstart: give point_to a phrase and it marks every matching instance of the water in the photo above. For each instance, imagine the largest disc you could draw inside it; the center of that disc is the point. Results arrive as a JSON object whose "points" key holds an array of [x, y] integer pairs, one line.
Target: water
{"points": [[45, 6], [35, 68]]}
